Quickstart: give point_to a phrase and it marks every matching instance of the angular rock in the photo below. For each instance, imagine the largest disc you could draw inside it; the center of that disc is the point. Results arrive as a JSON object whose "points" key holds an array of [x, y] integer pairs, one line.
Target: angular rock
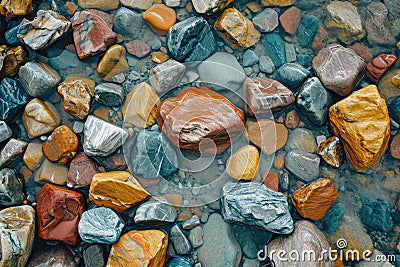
{"points": [[5, 131], [196, 236], [15, 8], [61, 146], [11, 151], [11, 193], [179, 262], [76, 98], [11, 59], [179, 241], [292, 74], [99, 4], [160, 18], [51, 173], [336, 59], [377, 25], [243, 165], [156, 211], [280, 3], [363, 131], [117, 190], [303, 165], [210, 7], [109, 94], [112, 63], [137, 4], [301, 139], [290, 20], [307, 29], [255, 204], [128, 22], [266, 65], [249, 58], [379, 65], [81, 171], [267, 135], [266, 21], [13, 98], [138, 48], [166, 76], [292, 119], [275, 48], [376, 215], [389, 85], [331, 151]]}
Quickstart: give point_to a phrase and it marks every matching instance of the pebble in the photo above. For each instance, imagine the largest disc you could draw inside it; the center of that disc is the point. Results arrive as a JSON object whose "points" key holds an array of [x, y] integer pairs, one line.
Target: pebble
{"points": [[389, 85], [137, 4], [11, 193], [379, 65], [109, 94], [290, 20], [196, 236], [50, 172], [81, 171], [249, 58], [331, 151], [93, 255], [13, 58], [266, 64], [304, 60], [377, 25], [280, 3], [362, 51], [191, 223], [243, 165], [306, 30], [275, 48], [166, 76], [99, 4], [271, 180], [52, 256], [180, 242], [159, 57], [138, 48], [11, 151], [5, 131], [292, 119], [292, 74], [301, 139], [156, 211], [267, 135], [160, 18], [376, 215], [11, 9], [395, 147], [76, 98], [61, 146], [291, 54], [266, 21], [303, 165], [112, 63], [128, 22], [207, 7]]}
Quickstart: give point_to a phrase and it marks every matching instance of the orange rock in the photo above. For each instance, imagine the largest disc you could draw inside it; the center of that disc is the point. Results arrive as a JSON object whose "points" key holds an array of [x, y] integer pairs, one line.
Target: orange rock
{"points": [[271, 180], [159, 57], [175, 199], [76, 97], [148, 182], [71, 7], [398, 204], [267, 135], [102, 113], [88, 81], [292, 119], [184, 215], [313, 200], [160, 18], [113, 62], [61, 146]]}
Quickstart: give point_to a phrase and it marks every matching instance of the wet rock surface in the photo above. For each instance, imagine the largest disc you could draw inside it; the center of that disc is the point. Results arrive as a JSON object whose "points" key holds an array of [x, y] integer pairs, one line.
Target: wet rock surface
{"points": [[157, 211], [13, 98], [11, 193]]}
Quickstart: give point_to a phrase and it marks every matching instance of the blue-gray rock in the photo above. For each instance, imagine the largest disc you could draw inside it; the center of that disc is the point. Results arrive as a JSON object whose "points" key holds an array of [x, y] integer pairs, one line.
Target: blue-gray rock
{"points": [[109, 94], [191, 40], [11, 193], [5, 131], [394, 109], [307, 29], [152, 155], [93, 256], [251, 239], [303, 165], [275, 48], [266, 65], [292, 74], [249, 58], [66, 60], [179, 241], [257, 205], [179, 262], [314, 101], [11, 36], [266, 21], [166, 76], [12, 150], [291, 54], [376, 215], [196, 236], [307, 4], [393, 7], [377, 25], [156, 211], [100, 225], [301, 139], [13, 98], [191, 222], [304, 60], [128, 22], [333, 218], [38, 78]]}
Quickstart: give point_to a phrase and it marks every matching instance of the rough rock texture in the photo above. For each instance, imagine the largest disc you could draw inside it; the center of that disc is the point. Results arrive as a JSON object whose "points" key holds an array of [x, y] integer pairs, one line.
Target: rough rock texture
{"points": [[156, 211], [166, 76], [301, 139], [99, 4], [267, 135], [180, 242], [11, 59], [389, 85], [331, 151], [81, 171], [275, 48], [109, 94], [61, 146], [50, 172], [292, 74], [15, 8], [290, 19], [306, 30], [128, 22], [376, 215], [362, 122], [11, 151], [160, 18], [207, 7], [379, 65], [11, 193], [302, 164], [112, 63], [377, 25], [13, 98], [243, 165], [138, 48], [267, 20], [94, 255], [76, 98], [5, 131]]}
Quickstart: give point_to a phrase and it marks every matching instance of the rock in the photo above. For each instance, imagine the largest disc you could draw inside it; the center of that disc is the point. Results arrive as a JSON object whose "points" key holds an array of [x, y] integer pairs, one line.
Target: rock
{"points": [[394, 109], [52, 256], [331, 151], [11, 151], [290, 20], [11, 193], [255, 204], [243, 165], [344, 20], [153, 156], [376, 215], [304, 60], [271, 180], [156, 211], [66, 60], [81, 171], [264, 95], [393, 7], [305, 237], [275, 48], [128, 22], [266, 65], [61, 146], [196, 236], [43, 30], [377, 25], [220, 241], [292, 119], [364, 132], [93, 255], [292, 74], [117, 190], [102, 138], [249, 58], [166, 76], [307, 29], [92, 35], [306, 5], [100, 225], [379, 65], [332, 218], [395, 147], [76, 98], [210, 7], [179, 262], [5, 131], [159, 57], [237, 30], [112, 63], [191, 40], [100, 4], [17, 232], [90, 83], [11, 59], [314, 101], [137, 4], [267, 135], [280, 3], [389, 85], [15, 8], [337, 59], [138, 48], [179, 241], [51, 173], [160, 18], [58, 211], [266, 21], [303, 165], [221, 121], [291, 54], [301, 139], [109, 94], [141, 247]]}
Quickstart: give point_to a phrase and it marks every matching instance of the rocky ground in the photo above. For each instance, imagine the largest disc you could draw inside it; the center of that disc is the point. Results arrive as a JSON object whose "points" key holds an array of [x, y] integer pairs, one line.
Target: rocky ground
{"points": [[189, 133]]}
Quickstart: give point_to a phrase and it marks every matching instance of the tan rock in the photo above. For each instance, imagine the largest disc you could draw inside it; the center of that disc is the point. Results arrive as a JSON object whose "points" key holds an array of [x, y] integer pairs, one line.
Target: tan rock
{"points": [[207, 7], [243, 165], [160, 18], [389, 85], [76, 97], [159, 57], [33, 156], [50, 172], [278, 2], [15, 8], [267, 135], [87, 81], [112, 63], [99, 4]]}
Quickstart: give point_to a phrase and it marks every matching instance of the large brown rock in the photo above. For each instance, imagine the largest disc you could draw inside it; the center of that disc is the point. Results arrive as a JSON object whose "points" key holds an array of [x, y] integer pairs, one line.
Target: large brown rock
{"points": [[362, 122], [199, 113]]}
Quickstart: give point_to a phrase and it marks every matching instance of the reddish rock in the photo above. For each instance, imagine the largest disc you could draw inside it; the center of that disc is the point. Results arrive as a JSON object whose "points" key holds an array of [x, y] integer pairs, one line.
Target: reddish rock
{"points": [[196, 114], [92, 35], [379, 65], [58, 212], [290, 20], [271, 180], [81, 171], [362, 51], [320, 39], [138, 48], [61, 146], [395, 147], [292, 119]]}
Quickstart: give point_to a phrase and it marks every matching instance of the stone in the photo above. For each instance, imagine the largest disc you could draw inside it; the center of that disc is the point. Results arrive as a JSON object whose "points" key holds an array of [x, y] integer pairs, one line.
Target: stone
{"points": [[139, 248], [138, 48], [90, 83], [255, 204], [304, 60], [332, 218], [160, 18], [306, 30], [58, 211], [249, 58], [220, 241], [13, 98], [137, 4], [47, 27], [314, 101], [100, 4], [292, 74], [376, 215], [140, 106], [377, 25], [50, 172], [191, 40], [180, 242], [362, 51], [292, 119], [152, 155], [196, 236], [237, 30], [301, 139], [112, 63], [166, 76], [364, 132], [15, 8], [11, 193], [76, 98], [128, 22], [389, 85], [101, 138], [38, 78], [179, 262], [5, 131], [159, 57], [379, 65], [267, 135], [275, 48], [394, 109], [336, 59], [109, 94], [221, 121], [243, 165], [305, 237], [11, 59], [93, 255], [266, 21], [303, 165], [100, 225], [395, 147], [156, 211], [271, 180], [291, 54], [306, 5], [117, 190], [280, 3], [266, 64], [81, 171], [290, 20], [92, 35], [331, 151], [11, 151], [61, 146], [66, 60], [17, 232], [52, 256], [191, 222], [210, 7]]}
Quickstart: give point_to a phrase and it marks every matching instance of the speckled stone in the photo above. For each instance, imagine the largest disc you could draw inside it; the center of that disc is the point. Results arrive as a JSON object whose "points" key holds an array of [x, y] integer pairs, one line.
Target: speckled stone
{"points": [[15, 8], [112, 63], [76, 98], [243, 165], [301, 139], [156, 211], [11, 151], [331, 151], [302, 164], [109, 94], [13, 98], [377, 25], [11, 193], [11, 59]]}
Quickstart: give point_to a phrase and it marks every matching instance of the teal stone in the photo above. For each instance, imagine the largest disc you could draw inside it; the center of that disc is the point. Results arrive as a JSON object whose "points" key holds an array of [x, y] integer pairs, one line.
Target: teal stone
{"points": [[394, 109], [306, 31], [304, 60], [275, 48], [66, 60], [376, 215], [292, 74], [179, 262], [249, 58], [331, 222]]}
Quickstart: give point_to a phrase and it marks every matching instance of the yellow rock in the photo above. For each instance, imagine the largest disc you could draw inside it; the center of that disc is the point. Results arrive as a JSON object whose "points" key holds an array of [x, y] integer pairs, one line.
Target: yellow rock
{"points": [[267, 135], [14, 8], [243, 165], [50, 172], [33, 156], [88, 81], [117, 190], [140, 106], [99, 4], [13, 58], [278, 2], [362, 122], [112, 63]]}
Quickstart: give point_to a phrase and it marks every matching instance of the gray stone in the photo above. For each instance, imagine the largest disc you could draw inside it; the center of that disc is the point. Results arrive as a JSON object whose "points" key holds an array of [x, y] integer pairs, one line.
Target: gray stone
{"points": [[179, 240], [102, 138], [221, 248], [266, 65], [291, 54], [393, 7], [302, 164], [38, 78], [166, 76], [255, 204], [249, 58], [266, 21], [292, 74], [172, 3], [109, 94], [377, 25], [66, 60], [11, 151], [93, 256], [301, 139], [137, 4], [191, 223], [156, 211], [5, 131], [275, 48], [128, 22], [100, 225], [210, 7], [251, 239], [196, 236], [11, 193]]}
